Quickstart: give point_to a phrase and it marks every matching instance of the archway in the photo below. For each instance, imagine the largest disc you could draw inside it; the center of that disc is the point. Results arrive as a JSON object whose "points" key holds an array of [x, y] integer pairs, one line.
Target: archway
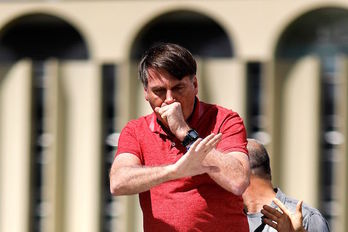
{"points": [[321, 33], [39, 37], [200, 34]]}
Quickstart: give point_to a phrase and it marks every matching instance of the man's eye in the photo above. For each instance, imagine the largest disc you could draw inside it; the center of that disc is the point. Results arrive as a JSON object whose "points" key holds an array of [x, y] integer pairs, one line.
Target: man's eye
{"points": [[179, 88], [159, 92]]}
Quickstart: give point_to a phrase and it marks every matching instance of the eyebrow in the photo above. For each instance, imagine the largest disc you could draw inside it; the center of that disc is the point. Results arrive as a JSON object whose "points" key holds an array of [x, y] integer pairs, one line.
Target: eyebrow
{"points": [[161, 88], [156, 88], [178, 85]]}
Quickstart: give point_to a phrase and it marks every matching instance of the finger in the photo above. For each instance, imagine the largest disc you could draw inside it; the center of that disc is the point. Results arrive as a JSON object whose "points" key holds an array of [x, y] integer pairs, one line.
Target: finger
{"points": [[214, 141], [272, 210], [195, 144], [157, 110], [161, 109], [270, 214], [299, 207], [202, 145], [217, 140], [209, 142], [270, 222], [281, 206]]}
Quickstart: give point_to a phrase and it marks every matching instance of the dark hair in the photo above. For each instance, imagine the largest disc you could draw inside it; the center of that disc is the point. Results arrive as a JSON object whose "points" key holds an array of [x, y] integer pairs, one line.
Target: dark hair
{"points": [[171, 58], [259, 159]]}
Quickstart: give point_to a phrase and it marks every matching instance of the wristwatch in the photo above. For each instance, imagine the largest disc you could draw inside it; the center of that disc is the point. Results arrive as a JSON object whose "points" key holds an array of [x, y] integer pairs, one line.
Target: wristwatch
{"points": [[191, 136]]}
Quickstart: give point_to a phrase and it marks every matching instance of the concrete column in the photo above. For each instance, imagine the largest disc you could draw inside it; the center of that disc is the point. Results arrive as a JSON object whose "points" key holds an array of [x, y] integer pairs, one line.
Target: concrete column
{"points": [[81, 89], [340, 223], [300, 129], [54, 172], [223, 82], [15, 148]]}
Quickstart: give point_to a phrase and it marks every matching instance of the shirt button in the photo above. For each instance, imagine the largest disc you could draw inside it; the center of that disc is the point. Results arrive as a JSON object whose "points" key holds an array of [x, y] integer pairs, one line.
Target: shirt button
{"points": [[173, 144]]}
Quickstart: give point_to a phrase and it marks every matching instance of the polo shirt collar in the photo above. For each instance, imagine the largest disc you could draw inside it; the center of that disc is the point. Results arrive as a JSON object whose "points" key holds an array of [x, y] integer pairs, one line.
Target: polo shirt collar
{"points": [[280, 195], [196, 114]]}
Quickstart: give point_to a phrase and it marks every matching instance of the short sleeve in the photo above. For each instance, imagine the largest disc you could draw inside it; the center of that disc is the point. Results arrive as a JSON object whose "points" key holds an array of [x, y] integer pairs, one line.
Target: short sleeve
{"points": [[316, 223], [128, 141], [233, 134]]}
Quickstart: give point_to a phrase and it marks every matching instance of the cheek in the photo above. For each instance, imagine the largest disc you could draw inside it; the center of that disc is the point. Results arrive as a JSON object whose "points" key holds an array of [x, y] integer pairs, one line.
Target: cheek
{"points": [[154, 100]]}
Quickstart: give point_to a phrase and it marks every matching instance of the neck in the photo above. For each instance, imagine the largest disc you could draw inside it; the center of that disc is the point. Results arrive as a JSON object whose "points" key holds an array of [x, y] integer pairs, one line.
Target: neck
{"points": [[259, 193]]}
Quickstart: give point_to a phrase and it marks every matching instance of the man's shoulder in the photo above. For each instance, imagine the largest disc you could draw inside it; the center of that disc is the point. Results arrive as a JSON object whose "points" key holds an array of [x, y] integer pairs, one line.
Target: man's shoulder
{"points": [[218, 109], [313, 220], [140, 123], [290, 203]]}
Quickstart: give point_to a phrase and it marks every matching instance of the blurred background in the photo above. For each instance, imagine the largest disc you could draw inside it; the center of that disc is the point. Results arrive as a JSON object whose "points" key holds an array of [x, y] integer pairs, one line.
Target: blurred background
{"points": [[68, 85]]}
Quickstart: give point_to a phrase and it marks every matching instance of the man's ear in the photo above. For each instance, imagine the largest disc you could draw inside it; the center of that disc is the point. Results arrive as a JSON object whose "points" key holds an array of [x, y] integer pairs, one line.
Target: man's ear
{"points": [[146, 95], [195, 84]]}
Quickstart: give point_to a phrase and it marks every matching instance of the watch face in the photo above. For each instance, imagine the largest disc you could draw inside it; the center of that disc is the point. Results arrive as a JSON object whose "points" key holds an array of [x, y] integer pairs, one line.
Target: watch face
{"points": [[193, 134]]}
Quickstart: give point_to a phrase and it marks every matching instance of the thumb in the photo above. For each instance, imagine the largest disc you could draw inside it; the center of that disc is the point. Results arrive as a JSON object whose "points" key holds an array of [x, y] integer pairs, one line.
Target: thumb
{"points": [[299, 207]]}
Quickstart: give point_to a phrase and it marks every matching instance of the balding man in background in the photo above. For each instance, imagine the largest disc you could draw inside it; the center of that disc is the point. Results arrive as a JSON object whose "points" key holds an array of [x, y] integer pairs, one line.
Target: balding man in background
{"points": [[268, 208]]}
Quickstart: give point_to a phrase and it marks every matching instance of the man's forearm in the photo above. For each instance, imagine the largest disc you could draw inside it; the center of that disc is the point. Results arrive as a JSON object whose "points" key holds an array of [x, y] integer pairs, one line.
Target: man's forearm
{"points": [[234, 170], [127, 176], [136, 179]]}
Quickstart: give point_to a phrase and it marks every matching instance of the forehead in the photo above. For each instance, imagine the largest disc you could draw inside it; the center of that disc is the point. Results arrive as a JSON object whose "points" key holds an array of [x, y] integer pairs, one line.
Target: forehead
{"points": [[156, 77]]}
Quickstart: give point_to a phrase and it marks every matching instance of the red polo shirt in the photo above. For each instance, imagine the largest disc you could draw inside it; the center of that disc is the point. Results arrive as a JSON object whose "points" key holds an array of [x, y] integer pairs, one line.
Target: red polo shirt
{"points": [[194, 203]]}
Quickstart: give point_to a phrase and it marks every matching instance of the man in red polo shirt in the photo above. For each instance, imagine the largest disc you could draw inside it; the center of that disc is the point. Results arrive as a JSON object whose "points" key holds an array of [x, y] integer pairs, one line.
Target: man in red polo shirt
{"points": [[188, 159]]}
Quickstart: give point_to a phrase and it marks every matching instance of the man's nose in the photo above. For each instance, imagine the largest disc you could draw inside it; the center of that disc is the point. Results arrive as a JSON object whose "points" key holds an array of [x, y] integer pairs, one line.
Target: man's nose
{"points": [[169, 97]]}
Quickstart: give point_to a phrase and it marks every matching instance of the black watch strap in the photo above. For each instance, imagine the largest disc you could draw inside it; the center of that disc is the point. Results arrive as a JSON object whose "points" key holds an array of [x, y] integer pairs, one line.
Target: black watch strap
{"points": [[191, 136]]}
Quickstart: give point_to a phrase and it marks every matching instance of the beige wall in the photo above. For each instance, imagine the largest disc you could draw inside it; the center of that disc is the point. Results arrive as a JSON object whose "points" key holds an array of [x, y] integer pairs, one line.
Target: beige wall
{"points": [[110, 26], [73, 103]]}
